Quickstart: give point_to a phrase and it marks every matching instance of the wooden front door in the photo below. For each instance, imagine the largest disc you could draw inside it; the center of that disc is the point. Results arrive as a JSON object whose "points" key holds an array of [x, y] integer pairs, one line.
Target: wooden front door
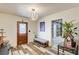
{"points": [[22, 33]]}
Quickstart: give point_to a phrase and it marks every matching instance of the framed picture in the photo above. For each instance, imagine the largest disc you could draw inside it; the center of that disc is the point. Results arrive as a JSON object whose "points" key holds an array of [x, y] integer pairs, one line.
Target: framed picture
{"points": [[42, 26]]}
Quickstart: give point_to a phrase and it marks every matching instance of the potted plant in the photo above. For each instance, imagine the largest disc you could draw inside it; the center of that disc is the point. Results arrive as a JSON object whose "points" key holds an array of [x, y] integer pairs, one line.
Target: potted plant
{"points": [[69, 31]]}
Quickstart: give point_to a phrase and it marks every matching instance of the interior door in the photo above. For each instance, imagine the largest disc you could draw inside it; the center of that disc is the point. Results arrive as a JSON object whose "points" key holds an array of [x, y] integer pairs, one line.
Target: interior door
{"points": [[22, 33]]}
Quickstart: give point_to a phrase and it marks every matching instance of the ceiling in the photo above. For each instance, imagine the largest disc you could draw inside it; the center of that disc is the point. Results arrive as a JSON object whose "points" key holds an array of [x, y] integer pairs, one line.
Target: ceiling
{"points": [[42, 9]]}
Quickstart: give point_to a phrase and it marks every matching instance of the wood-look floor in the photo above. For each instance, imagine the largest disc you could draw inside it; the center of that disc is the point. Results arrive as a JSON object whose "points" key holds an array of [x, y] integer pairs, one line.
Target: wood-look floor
{"points": [[32, 49]]}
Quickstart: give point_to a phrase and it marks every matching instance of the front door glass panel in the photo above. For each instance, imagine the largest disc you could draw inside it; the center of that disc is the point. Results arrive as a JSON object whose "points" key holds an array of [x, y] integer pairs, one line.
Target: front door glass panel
{"points": [[22, 28]]}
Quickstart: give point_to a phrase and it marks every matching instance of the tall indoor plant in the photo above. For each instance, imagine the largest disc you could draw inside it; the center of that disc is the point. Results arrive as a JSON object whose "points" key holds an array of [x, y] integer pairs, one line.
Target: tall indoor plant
{"points": [[69, 30]]}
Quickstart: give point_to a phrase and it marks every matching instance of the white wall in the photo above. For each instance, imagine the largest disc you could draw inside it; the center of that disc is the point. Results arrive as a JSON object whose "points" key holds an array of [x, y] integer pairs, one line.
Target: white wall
{"points": [[67, 15], [9, 24]]}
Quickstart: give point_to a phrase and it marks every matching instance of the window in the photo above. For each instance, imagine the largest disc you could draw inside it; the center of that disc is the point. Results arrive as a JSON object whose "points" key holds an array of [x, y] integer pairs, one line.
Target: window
{"points": [[57, 28], [22, 28]]}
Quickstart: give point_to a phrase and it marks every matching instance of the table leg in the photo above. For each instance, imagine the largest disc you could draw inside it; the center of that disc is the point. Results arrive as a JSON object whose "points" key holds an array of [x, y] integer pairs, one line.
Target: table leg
{"points": [[58, 49], [76, 52], [63, 50]]}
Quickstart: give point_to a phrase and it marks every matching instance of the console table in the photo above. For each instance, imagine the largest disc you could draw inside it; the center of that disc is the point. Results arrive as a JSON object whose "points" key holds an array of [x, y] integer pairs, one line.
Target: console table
{"points": [[71, 50], [1, 41], [1, 36]]}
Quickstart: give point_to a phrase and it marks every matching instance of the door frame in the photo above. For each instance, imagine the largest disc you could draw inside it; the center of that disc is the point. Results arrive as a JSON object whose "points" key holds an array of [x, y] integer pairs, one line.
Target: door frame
{"points": [[18, 30]]}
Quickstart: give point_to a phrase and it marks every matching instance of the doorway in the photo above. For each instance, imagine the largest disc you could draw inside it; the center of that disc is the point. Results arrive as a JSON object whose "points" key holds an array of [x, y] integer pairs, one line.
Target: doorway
{"points": [[56, 32], [22, 33]]}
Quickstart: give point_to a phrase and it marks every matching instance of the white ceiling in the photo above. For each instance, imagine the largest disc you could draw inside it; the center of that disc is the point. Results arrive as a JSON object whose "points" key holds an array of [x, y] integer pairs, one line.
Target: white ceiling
{"points": [[42, 9]]}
